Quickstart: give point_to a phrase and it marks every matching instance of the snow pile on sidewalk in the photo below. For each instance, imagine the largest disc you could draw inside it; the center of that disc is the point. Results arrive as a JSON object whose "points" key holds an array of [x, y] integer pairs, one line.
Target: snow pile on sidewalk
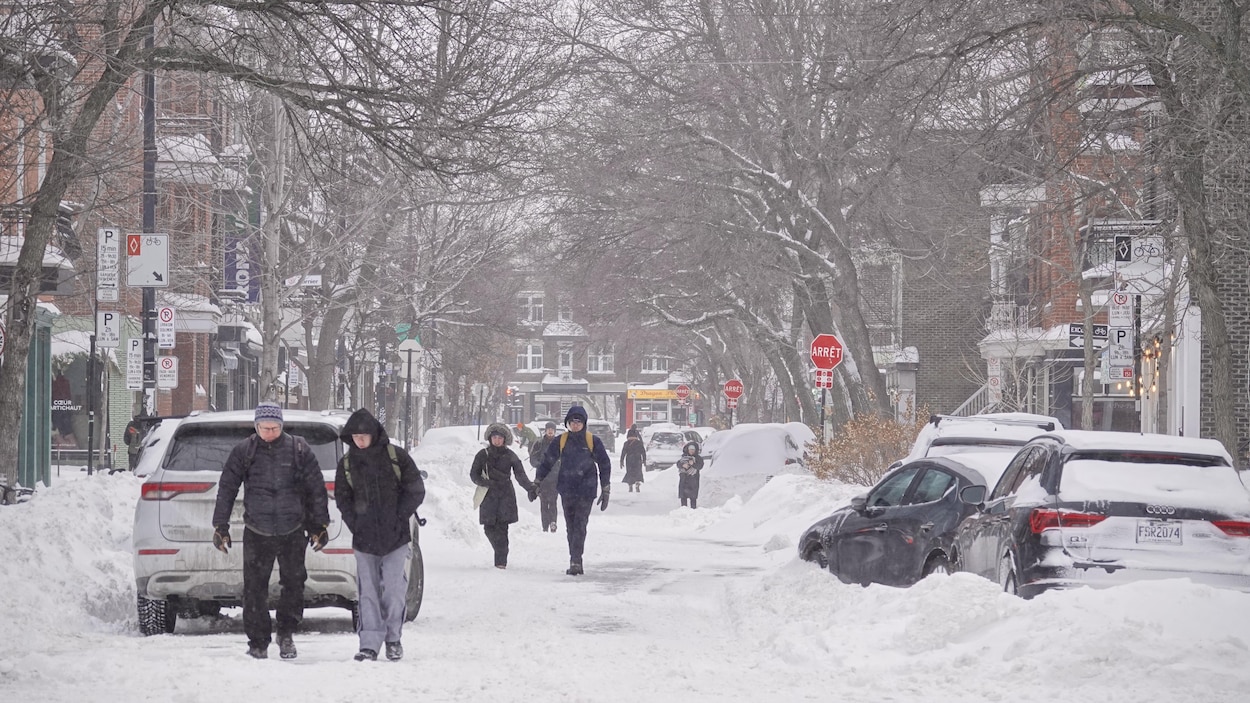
{"points": [[67, 560]]}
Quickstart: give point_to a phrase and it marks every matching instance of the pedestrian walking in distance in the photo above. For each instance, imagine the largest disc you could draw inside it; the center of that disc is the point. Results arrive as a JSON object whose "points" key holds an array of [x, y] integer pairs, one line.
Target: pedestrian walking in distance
{"points": [[285, 511], [688, 468], [493, 468], [548, 498], [378, 488], [585, 468], [633, 460]]}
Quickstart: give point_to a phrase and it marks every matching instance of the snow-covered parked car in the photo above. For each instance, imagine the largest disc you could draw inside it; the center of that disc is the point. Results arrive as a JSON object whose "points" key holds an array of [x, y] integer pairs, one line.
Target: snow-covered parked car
{"points": [[902, 529], [1083, 508], [944, 435], [764, 448], [664, 448], [177, 570]]}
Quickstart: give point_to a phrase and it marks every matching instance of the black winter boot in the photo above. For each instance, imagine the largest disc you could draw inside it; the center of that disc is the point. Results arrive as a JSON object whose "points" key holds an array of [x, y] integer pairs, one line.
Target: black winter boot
{"points": [[394, 651], [286, 647], [366, 655], [575, 569]]}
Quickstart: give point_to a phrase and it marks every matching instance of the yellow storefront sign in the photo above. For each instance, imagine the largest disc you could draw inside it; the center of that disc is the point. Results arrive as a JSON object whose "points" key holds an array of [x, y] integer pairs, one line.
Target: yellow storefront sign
{"points": [[650, 394]]}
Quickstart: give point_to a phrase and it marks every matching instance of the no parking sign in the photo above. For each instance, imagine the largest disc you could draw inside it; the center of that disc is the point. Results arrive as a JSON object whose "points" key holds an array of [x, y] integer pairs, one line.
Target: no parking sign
{"points": [[167, 372]]}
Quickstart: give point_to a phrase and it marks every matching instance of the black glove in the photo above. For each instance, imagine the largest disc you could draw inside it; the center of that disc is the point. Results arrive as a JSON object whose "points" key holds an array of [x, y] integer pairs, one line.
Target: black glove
{"points": [[221, 538], [317, 537], [603, 498], [532, 491]]}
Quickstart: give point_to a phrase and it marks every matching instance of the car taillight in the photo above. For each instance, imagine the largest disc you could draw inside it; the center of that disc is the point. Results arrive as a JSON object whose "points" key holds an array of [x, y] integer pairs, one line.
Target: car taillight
{"points": [[157, 552], [330, 488], [1233, 528], [1044, 518], [164, 490], [336, 551]]}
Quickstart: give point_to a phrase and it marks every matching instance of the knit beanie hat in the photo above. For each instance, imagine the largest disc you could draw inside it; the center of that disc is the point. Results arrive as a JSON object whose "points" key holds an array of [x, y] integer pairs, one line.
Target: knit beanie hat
{"points": [[269, 411]]}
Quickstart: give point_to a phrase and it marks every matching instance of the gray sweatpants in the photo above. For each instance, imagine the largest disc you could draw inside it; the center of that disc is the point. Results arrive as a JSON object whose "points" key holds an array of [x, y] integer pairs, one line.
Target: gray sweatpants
{"points": [[383, 585]]}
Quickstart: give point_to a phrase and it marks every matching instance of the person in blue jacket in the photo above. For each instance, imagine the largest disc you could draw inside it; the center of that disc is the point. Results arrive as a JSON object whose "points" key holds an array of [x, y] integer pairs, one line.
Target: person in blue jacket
{"points": [[585, 470]]}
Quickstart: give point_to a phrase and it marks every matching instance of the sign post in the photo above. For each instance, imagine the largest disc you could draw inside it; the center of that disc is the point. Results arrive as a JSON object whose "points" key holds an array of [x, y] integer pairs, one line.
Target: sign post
{"points": [[826, 353], [733, 390]]}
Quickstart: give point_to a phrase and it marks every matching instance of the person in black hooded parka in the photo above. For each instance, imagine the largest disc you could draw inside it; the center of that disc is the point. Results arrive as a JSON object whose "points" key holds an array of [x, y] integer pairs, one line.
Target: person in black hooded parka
{"points": [[493, 468], [376, 505]]}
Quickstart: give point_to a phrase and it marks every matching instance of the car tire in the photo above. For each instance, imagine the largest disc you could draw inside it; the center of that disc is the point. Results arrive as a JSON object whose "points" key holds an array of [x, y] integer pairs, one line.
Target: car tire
{"points": [[416, 585], [156, 617], [815, 552], [937, 564], [1007, 577]]}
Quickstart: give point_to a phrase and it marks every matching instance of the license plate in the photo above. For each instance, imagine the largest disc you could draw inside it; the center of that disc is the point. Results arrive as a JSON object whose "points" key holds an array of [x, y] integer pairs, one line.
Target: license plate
{"points": [[1158, 532]]}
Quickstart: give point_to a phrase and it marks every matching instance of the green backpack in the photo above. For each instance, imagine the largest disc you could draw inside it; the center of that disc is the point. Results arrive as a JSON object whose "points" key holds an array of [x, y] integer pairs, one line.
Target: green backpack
{"points": [[390, 450]]}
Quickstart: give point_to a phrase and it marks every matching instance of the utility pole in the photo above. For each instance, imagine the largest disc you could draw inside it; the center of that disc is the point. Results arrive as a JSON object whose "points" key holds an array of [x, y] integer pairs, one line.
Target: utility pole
{"points": [[408, 347], [149, 226]]}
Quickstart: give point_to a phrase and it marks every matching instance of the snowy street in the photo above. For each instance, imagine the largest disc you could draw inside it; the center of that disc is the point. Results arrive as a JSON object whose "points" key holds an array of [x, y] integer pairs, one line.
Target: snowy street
{"points": [[681, 605]]}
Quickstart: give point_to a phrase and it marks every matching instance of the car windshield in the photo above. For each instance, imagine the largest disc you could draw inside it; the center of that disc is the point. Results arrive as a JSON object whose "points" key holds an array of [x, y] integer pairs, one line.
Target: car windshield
{"points": [[667, 439], [206, 446]]}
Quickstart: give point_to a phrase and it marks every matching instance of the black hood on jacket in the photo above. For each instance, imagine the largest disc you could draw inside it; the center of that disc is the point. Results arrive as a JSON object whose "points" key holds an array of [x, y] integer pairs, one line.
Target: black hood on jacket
{"points": [[363, 422]]}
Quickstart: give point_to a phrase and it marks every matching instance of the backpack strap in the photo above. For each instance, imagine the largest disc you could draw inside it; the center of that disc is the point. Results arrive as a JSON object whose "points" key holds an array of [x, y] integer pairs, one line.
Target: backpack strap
{"points": [[390, 451], [590, 441]]}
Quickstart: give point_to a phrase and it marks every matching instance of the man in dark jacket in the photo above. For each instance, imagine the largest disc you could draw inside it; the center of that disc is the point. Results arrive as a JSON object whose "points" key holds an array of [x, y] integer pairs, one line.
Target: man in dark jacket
{"points": [[377, 488], [285, 510], [584, 467], [547, 496]]}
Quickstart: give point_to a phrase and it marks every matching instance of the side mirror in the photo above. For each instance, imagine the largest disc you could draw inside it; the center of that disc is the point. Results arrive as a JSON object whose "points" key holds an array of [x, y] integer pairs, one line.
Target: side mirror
{"points": [[859, 503], [972, 495]]}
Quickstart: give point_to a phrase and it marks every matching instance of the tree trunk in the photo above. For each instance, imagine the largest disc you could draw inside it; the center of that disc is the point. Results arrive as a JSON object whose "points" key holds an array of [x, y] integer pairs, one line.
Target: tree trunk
{"points": [[1203, 277]]}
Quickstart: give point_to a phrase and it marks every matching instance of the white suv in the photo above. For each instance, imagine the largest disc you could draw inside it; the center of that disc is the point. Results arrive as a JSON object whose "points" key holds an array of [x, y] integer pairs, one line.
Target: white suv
{"points": [[177, 570]]}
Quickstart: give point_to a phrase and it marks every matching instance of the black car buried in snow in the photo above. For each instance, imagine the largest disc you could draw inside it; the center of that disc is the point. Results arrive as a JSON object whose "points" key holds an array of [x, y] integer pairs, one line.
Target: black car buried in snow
{"points": [[901, 530]]}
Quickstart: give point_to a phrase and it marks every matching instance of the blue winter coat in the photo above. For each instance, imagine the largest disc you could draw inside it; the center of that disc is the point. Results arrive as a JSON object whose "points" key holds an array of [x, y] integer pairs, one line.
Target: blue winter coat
{"points": [[581, 470]]}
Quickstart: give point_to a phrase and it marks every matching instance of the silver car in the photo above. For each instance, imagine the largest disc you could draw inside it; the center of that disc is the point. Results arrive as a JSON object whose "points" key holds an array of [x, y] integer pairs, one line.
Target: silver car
{"points": [[177, 570]]}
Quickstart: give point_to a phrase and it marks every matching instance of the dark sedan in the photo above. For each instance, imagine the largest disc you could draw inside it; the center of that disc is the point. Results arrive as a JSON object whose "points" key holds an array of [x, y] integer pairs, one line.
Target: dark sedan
{"points": [[901, 530], [1078, 508]]}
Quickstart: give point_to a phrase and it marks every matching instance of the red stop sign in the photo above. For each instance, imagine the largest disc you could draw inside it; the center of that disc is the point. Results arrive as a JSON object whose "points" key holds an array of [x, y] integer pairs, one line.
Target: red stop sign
{"points": [[826, 351], [683, 392], [733, 388]]}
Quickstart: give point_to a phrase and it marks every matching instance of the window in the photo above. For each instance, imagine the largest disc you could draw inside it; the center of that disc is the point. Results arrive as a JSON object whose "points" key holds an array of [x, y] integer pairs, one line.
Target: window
{"points": [[933, 485], [654, 364], [564, 314], [890, 491], [529, 356], [651, 411], [565, 356], [531, 307], [1013, 475], [600, 360]]}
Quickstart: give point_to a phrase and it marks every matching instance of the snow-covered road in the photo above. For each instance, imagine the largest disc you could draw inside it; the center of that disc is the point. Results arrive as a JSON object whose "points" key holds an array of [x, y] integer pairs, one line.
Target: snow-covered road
{"points": [[676, 605]]}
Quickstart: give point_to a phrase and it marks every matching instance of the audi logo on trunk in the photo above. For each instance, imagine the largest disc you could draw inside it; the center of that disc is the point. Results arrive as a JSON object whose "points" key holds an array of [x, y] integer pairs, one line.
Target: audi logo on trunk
{"points": [[1160, 510]]}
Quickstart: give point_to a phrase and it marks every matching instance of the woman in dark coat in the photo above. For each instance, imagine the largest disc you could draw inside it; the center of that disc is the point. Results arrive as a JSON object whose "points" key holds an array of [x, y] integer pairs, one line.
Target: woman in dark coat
{"points": [[688, 468], [634, 459], [493, 468]]}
